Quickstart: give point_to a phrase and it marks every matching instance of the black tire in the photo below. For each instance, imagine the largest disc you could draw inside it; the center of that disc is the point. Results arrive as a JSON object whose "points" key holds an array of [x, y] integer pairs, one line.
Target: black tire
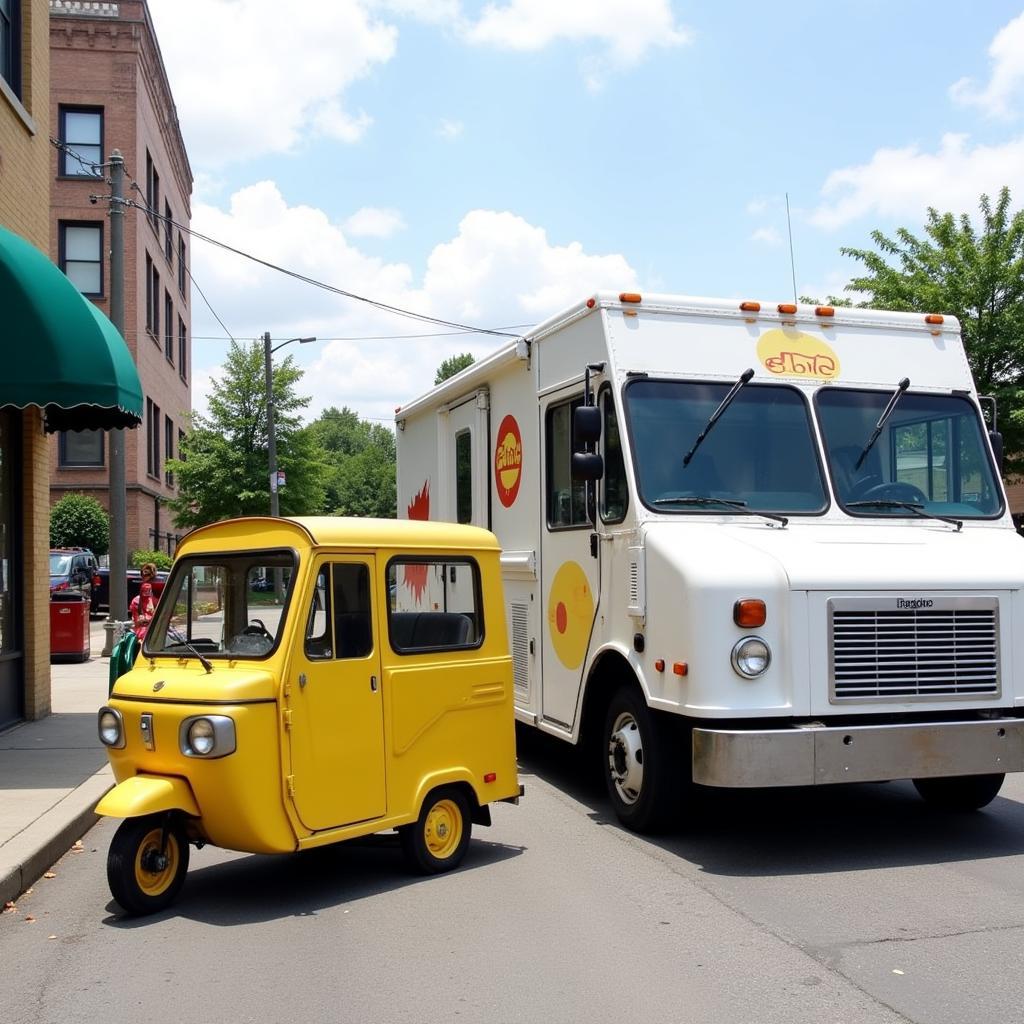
{"points": [[960, 792], [645, 773], [438, 840], [139, 886]]}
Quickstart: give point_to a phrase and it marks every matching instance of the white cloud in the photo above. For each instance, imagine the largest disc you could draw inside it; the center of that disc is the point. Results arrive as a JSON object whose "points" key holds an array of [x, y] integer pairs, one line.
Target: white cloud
{"points": [[756, 207], [497, 270], [431, 11], [450, 129], [1007, 80], [269, 80], [628, 29], [373, 222], [768, 235], [904, 182]]}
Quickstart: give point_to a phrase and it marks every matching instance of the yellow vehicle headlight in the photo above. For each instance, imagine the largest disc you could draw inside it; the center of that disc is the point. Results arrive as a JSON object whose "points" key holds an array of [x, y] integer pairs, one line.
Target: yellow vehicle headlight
{"points": [[751, 657], [207, 736], [111, 728]]}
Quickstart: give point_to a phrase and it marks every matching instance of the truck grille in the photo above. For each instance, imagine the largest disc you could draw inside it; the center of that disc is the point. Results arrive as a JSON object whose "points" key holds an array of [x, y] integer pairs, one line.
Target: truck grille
{"points": [[948, 650]]}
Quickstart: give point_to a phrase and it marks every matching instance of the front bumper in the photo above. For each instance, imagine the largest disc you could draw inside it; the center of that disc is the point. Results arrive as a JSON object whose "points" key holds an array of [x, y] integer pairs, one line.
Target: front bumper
{"points": [[816, 755]]}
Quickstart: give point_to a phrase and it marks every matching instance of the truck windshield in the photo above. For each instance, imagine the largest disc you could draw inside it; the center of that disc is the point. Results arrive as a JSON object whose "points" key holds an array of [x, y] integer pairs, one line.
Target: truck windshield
{"points": [[222, 605], [931, 453], [761, 453]]}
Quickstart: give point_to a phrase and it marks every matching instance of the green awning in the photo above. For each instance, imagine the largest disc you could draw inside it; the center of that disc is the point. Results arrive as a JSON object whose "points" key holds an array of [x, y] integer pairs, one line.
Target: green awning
{"points": [[57, 350]]}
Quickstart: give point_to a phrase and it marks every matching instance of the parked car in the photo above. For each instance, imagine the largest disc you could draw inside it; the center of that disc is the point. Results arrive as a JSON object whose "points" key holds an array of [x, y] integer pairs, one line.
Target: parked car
{"points": [[74, 571], [134, 577]]}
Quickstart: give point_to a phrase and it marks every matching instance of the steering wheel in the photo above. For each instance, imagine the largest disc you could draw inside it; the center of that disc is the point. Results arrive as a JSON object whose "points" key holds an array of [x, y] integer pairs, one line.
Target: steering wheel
{"points": [[896, 490], [256, 628]]}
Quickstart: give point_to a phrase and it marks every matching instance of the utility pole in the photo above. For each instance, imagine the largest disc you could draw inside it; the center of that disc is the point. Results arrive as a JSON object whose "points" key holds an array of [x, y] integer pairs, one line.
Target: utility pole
{"points": [[275, 507], [117, 496]]}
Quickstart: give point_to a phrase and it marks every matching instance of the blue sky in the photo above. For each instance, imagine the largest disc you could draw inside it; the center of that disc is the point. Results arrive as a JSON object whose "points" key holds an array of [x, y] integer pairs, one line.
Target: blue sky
{"points": [[489, 163]]}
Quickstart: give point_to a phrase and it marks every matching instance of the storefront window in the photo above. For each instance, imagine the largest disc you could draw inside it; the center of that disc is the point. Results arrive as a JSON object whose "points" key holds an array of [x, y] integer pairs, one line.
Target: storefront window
{"points": [[8, 642]]}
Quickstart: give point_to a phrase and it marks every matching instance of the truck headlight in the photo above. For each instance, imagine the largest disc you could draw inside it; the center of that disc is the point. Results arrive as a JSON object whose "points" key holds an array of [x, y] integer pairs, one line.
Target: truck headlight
{"points": [[111, 728], [207, 736], [751, 657]]}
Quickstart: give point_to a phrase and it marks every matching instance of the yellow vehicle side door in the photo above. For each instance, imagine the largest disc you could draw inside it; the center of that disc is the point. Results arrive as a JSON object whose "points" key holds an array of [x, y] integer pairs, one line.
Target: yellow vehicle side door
{"points": [[337, 718]]}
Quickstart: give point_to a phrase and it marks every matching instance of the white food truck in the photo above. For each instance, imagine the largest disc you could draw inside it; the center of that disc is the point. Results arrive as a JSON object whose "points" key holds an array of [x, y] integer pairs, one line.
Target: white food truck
{"points": [[743, 545]]}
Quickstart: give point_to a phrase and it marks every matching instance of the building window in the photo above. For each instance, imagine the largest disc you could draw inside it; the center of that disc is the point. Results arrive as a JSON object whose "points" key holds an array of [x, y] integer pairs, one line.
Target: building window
{"points": [[81, 448], [152, 299], [81, 132], [168, 449], [10, 44], [168, 233], [80, 255], [182, 349], [153, 193], [168, 328], [152, 438], [182, 267]]}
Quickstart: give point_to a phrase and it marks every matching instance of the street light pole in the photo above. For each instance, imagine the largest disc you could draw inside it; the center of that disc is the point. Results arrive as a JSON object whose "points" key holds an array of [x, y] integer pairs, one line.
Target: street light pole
{"points": [[275, 505]]}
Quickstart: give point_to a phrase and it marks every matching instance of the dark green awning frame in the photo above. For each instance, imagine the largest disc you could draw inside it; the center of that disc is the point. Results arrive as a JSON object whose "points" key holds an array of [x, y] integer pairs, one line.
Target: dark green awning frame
{"points": [[57, 350]]}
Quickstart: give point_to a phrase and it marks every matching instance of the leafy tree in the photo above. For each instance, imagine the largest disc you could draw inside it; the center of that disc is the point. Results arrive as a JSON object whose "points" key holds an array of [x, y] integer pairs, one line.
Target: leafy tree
{"points": [[360, 456], [452, 365], [160, 559], [223, 468], [976, 274], [78, 521]]}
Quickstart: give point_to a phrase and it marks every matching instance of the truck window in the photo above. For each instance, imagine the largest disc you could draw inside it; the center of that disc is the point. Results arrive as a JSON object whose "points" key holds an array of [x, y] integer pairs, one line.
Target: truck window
{"points": [[464, 476], [614, 493], [930, 453], [566, 498], [760, 452], [435, 604], [338, 623]]}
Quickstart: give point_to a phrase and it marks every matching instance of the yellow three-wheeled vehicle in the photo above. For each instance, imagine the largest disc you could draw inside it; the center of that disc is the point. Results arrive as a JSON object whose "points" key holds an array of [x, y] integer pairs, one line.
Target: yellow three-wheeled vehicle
{"points": [[306, 681]]}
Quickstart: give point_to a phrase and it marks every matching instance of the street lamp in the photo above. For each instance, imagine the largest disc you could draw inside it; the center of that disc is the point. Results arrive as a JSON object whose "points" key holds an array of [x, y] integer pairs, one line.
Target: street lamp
{"points": [[275, 509]]}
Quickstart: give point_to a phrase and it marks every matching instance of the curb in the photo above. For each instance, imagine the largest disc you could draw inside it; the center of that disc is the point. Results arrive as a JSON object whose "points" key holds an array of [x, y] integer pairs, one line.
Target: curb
{"points": [[25, 857]]}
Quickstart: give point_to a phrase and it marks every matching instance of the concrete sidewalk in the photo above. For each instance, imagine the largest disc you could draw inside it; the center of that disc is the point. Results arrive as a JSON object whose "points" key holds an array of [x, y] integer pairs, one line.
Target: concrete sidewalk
{"points": [[52, 773]]}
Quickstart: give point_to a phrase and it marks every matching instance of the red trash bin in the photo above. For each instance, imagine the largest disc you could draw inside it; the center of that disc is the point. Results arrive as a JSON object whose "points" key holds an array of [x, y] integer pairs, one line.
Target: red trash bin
{"points": [[69, 627]]}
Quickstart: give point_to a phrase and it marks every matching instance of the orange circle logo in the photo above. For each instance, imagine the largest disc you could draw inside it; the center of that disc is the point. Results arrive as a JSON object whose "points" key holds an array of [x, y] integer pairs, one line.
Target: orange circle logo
{"points": [[508, 461], [570, 614]]}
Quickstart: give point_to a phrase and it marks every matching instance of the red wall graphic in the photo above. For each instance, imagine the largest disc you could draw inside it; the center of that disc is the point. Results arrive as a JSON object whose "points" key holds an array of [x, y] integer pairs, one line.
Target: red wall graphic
{"points": [[415, 577], [508, 461]]}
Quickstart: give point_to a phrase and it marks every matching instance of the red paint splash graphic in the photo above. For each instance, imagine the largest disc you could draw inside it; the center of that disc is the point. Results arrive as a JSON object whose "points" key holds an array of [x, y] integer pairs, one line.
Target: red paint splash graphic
{"points": [[415, 576]]}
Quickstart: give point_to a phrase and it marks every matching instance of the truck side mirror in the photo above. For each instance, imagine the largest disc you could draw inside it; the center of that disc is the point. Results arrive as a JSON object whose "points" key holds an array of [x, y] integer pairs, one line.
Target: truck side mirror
{"points": [[587, 466], [996, 439], [586, 426]]}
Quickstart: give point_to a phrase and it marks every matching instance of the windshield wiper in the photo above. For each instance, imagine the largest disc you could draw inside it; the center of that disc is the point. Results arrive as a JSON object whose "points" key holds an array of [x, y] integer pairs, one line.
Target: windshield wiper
{"points": [[733, 392], [182, 642], [882, 420], [733, 503], [914, 506]]}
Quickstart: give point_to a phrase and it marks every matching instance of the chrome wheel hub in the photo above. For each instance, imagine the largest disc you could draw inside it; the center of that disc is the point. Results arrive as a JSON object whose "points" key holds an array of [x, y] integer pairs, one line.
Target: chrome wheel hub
{"points": [[626, 758]]}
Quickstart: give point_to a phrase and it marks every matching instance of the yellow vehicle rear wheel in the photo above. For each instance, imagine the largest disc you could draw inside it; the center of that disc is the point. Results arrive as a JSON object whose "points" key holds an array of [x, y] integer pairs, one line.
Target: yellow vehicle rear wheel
{"points": [[438, 840], [147, 862]]}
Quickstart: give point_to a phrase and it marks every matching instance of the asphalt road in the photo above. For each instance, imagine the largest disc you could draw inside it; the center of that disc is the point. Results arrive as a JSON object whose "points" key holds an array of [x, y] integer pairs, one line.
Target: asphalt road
{"points": [[845, 905]]}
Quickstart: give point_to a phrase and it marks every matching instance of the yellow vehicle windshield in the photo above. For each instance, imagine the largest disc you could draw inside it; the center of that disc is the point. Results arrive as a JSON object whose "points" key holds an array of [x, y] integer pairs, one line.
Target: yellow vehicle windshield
{"points": [[223, 605]]}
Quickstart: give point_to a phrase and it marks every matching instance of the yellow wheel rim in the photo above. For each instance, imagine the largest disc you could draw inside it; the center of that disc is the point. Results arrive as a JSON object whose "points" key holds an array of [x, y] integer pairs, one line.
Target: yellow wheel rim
{"points": [[442, 831], [156, 882]]}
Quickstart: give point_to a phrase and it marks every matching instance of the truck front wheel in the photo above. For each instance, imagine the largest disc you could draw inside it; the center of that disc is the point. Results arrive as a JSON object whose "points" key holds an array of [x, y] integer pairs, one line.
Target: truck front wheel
{"points": [[643, 768], [960, 792]]}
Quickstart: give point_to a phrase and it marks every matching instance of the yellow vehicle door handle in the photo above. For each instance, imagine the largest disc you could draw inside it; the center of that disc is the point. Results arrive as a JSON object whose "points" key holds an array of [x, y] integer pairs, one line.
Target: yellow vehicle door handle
{"points": [[373, 683], [302, 680]]}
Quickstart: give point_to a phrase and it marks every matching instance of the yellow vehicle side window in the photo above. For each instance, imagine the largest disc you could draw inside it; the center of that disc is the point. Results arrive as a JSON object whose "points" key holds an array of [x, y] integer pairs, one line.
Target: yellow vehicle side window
{"points": [[338, 624], [434, 604]]}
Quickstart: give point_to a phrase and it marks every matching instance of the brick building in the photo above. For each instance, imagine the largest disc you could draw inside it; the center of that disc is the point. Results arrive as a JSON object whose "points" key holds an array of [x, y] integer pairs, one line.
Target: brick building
{"points": [[64, 365], [109, 90]]}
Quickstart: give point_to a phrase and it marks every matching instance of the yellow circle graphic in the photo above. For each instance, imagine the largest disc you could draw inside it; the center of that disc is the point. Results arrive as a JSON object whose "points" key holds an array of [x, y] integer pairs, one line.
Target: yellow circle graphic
{"points": [[570, 614], [787, 352]]}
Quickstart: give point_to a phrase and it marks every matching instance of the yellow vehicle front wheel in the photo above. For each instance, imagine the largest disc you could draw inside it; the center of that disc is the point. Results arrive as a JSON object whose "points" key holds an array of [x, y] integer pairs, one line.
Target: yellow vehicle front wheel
{"points": [[437, 841], [147, 862]]}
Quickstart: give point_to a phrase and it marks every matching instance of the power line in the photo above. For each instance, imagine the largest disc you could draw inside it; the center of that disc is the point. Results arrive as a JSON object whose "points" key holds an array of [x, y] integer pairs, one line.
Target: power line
{"points": [[386, 307], [371, 337]]}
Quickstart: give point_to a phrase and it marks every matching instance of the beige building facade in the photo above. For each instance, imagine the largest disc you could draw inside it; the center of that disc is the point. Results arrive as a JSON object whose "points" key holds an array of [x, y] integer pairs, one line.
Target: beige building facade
{"points": [[109, 91]]}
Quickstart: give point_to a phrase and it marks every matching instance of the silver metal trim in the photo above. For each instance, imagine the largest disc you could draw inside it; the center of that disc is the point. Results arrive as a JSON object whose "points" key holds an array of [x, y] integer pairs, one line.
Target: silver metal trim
{"points": [[814, 755], [122, 739], [937, 602], [224, 739], [146, 728]]}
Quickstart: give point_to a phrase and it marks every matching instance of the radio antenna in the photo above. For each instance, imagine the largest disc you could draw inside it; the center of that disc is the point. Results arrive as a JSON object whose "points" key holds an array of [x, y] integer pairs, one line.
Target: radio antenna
{"points": [[792, 261]]}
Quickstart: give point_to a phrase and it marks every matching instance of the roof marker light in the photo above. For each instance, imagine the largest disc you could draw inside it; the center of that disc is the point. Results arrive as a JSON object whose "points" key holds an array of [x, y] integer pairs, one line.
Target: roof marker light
{"points": [[750, 307], [787, 307], [629, 297], [591, 303], [824, 311], [934, 318]]}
